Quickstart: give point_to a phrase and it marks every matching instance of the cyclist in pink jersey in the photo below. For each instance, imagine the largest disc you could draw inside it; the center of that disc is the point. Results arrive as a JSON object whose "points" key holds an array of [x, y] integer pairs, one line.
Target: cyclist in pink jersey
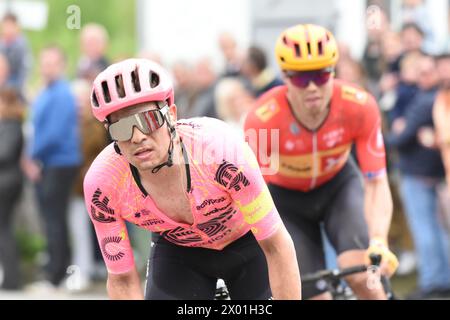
{"points": [[194, 184]]}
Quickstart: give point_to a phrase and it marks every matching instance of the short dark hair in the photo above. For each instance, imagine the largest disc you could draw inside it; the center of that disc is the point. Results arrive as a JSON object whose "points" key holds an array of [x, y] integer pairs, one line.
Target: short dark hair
{"points": [[257, 57], [9, 16], [415, 26]]}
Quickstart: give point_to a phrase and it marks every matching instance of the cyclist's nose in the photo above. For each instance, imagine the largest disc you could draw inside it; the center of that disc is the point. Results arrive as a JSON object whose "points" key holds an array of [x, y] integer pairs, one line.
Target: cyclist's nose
{"points": [[138, 136], [311, 86]]}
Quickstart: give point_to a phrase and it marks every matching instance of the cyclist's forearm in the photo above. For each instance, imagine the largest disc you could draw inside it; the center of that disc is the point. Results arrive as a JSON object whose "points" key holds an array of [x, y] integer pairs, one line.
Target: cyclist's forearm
{"points": [[378, 207], [124, 287], [284, 275]]}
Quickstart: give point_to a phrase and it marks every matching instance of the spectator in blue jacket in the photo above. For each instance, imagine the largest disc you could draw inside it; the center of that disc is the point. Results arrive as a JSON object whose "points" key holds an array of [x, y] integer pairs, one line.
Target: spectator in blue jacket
{"points": [[14, 46], [55, 158], [422, 171]]}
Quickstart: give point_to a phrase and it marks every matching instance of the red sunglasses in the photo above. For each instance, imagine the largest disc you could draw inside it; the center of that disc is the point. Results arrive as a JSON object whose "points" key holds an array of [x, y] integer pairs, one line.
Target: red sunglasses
{"points": [[303, 78]]}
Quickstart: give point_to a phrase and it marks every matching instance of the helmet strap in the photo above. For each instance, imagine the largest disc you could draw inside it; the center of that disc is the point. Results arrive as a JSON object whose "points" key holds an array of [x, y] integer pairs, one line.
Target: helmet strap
{"points": [[169, 162], [117, 149]]}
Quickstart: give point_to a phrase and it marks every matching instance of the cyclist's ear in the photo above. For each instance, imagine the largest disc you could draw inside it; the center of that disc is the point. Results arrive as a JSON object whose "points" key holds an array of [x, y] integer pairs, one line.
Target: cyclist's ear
{"points": [[173, 113]]}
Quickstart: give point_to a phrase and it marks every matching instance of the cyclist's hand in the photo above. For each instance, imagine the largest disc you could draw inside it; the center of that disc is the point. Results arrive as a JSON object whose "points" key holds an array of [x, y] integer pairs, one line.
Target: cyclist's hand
{"points": [[389, 262]]}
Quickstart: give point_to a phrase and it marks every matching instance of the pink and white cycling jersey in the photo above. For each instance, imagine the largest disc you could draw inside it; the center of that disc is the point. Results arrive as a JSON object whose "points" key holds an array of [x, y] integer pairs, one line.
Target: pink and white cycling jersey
{"points": [[228, 196]]}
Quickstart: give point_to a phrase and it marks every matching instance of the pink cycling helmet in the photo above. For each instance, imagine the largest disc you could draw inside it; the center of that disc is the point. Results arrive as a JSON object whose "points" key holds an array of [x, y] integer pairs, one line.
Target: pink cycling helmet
{"points": [[127, 83]]}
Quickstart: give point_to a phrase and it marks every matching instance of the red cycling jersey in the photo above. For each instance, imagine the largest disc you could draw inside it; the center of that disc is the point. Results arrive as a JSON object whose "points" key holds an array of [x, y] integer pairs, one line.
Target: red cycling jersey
{"points": [[307, 159]]}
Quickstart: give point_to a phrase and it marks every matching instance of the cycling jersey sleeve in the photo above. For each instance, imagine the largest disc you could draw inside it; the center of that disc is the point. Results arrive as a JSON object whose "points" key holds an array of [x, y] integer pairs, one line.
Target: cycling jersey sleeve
{"points": [[242, 177], [102, 198], [369, 141]]}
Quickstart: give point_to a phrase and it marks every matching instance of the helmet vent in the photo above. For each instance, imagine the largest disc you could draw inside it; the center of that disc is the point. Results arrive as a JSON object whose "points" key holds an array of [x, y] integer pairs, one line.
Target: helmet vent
{"points": [[94, 99], [135, 80], [119, 86], [106, 94], [154, 79], [297, 50], [282, 59], [308, 45], [320, 48], [285, 40]]}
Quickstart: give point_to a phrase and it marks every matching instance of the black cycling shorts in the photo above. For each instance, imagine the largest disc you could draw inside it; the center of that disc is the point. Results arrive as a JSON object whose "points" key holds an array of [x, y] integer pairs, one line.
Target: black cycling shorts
{"points": [[177, 272], [339, 205]]}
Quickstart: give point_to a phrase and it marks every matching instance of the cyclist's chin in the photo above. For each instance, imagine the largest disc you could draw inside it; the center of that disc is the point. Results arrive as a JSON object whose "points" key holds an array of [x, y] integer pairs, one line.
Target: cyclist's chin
{"points": [[314, 106]]}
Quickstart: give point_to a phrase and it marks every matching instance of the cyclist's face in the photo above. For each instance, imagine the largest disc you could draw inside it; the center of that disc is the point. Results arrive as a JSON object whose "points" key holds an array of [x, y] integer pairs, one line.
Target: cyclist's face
{"points": [[145, 151], [314, 97]]}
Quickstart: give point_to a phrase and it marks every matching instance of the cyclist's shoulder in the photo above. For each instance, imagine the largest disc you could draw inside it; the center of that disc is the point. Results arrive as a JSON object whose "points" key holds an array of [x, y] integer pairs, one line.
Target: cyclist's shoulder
{"points": [[352, 98], [268, 108], [214, 143], [107, 164]]}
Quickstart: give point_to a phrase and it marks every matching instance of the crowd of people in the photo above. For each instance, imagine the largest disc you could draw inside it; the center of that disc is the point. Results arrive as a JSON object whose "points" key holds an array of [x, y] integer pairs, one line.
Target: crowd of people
{"points": [[401, 69]]}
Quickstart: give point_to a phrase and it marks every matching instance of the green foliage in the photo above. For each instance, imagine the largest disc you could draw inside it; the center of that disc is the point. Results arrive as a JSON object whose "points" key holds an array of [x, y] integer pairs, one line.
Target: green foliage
{"points": [[30, 245], [118, 17]]}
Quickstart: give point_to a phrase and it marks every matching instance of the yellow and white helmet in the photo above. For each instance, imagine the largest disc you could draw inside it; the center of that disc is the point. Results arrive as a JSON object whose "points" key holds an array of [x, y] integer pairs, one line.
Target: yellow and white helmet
{"points": [[306, 47]]}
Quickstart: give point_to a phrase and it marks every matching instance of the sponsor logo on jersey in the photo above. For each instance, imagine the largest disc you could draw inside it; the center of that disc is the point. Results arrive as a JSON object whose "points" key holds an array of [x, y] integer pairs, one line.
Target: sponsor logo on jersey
{"points": [[217, 224], [110, 248], [227, 176], [209, 202], [216, 210], [101, 204], [289, 145], [151, 222], [181, 236], [143, 212], [268, 110], [301, 166], [354, 94], [294, 128], [333, 137], [375, 145]]}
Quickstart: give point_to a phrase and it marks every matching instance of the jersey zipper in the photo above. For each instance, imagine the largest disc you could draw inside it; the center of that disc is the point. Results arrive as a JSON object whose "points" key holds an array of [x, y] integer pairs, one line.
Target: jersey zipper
{"points": [[315, 161]]}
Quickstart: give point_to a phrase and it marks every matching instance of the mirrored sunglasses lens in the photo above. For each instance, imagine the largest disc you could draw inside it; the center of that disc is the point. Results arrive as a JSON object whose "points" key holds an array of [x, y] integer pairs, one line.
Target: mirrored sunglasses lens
{"points": [[120, 132], [300, 81], [322, 78], [153, 120]]}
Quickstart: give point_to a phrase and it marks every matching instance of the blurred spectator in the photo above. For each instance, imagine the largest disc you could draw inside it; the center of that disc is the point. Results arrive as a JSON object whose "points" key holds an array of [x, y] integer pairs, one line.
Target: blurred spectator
{"points": [[54, 159], [344, 51], [184, 88], [255, 70], [93, 140], [11, 177], [407, 86], [422, 172], [377, 26], [416, 12], [352, 71], [4, 71], [93, 42], [150, 55], [231, 54], [440, 137], [412, 37], [14, 46], [204, 82], [232, 101], [441, 112], [392, 50]]}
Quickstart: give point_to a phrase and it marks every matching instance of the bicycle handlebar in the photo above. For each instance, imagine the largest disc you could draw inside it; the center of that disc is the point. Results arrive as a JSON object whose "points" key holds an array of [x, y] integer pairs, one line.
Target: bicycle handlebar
{"points": [[335, 275]]}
